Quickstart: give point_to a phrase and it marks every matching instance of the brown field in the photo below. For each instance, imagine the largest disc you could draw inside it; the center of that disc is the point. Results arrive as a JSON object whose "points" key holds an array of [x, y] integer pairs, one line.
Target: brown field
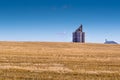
{"points": [[59, 61]]}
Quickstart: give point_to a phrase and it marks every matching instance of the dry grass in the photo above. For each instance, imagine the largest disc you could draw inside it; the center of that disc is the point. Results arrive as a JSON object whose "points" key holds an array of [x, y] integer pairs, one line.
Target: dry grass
{"points": [[59, 61]]}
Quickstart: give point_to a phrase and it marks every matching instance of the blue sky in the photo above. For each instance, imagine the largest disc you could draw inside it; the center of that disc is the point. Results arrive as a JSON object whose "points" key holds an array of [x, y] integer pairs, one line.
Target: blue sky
{"points": [[55, 20]]}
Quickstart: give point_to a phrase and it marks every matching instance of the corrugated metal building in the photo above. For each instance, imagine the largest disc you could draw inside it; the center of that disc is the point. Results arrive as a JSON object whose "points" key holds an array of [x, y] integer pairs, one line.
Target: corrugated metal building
{"points": [[79, 35]]}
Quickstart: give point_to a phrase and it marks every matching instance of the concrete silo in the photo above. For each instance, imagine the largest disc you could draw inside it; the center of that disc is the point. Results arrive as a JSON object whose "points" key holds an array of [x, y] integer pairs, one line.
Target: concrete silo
{"points": [[79, 35]]}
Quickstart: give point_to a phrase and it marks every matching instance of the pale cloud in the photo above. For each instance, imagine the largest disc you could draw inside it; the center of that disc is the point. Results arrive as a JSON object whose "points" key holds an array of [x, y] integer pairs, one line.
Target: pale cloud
{"points": [[62, 33], [65, 6], [60, 7], [54, 8]]}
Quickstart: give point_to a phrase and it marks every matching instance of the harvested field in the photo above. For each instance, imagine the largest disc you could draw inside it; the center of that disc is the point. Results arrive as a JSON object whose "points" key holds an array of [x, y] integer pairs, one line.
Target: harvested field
{"points": [[59, 61]]}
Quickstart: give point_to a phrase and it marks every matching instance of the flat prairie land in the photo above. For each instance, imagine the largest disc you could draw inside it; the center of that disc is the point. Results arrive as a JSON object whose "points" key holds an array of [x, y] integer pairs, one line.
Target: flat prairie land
{"points": [[59, 61]]}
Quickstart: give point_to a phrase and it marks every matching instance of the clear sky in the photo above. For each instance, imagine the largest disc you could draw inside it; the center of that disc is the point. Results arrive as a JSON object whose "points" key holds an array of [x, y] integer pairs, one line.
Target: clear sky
{"points": [[55, 20]]}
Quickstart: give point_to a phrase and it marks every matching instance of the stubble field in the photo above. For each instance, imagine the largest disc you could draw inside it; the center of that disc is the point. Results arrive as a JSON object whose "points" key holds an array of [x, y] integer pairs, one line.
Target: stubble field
{"points": [[59, 61]]}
